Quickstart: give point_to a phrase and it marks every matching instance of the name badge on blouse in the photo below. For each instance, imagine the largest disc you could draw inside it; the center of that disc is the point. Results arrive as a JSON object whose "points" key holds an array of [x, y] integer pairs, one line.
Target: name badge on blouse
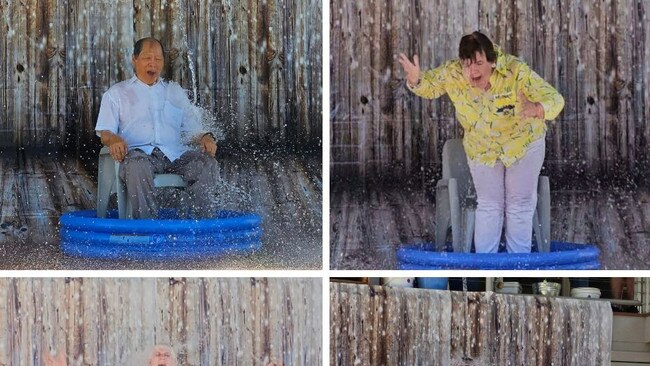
{"points": [[504, 103]]}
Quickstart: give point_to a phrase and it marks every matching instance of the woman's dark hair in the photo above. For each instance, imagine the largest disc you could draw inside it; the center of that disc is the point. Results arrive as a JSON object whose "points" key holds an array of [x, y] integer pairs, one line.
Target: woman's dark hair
{"points": [[476, 42], [137, 48]]}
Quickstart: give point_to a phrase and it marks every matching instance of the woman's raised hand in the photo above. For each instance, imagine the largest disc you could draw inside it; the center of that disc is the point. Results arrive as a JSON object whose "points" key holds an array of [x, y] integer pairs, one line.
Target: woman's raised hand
{"points": [[412, 69]]}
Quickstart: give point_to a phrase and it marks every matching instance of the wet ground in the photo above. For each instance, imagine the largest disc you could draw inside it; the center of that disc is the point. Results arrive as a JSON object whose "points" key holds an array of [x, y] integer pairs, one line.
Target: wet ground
{"points": [[369, 223], [286, 191]]}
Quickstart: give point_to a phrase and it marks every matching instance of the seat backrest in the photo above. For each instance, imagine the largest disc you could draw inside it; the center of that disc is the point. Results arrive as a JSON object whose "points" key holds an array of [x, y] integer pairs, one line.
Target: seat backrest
{"points": [[454, 165]]}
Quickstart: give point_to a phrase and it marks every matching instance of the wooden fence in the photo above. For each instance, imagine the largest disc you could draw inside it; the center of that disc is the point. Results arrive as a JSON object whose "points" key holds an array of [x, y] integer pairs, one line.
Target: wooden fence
{"points": [[373, 325], [596, 53], [110, 321], [256, 66]]}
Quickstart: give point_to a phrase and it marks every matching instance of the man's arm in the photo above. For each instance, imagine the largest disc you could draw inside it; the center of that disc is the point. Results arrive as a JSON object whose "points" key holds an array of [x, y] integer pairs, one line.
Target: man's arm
{"points": [[115, 143], [207, 141], [108, 121]]}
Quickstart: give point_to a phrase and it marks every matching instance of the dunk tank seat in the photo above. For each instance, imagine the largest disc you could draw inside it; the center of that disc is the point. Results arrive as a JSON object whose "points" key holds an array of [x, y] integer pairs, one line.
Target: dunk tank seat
{"points": [[109, 182]]}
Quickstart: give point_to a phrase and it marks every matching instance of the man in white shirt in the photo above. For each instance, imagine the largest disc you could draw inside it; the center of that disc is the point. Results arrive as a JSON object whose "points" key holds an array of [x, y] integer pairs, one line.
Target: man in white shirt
{"points": [[147, 123]]}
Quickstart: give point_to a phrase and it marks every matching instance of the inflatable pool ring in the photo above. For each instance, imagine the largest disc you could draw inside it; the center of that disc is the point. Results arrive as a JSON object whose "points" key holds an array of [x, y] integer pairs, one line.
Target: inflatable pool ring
{"points": [[83, 234], [562, 256]]}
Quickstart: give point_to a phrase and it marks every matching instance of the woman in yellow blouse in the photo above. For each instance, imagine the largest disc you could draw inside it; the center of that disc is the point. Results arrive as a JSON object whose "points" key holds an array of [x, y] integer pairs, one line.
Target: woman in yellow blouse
{"points": [[502, 105]]}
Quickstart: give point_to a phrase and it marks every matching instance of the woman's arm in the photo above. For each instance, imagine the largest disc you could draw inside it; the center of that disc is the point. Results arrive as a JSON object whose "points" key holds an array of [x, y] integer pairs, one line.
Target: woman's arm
{"points": [[428, 84], [537, 90]]}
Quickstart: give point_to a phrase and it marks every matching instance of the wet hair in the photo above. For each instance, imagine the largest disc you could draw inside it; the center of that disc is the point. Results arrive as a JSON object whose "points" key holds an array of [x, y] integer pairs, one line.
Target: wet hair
{"points": [[476, 42], [152, 353], [137, 48]]}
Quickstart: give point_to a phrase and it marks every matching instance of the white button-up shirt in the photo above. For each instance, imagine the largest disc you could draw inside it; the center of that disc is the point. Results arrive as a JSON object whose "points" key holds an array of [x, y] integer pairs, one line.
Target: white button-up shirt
{"points": [[147, 117]]}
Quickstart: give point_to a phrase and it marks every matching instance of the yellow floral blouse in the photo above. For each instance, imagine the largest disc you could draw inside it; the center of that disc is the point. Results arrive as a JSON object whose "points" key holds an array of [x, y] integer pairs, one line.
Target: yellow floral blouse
{"points": [[492, 129]]}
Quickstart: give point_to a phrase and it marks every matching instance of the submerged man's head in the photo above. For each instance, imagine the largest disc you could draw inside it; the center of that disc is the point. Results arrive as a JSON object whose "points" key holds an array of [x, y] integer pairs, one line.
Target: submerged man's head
{"points": [[161, 355], [478, 58], [148, 59]]}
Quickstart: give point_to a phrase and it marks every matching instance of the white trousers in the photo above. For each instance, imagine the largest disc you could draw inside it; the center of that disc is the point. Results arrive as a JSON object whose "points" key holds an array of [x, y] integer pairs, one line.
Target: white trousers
{"points": [[513, 191]]}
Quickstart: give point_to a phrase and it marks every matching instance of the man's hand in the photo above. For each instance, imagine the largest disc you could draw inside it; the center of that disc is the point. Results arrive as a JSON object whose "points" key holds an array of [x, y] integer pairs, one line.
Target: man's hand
{"points": [[528, 108], [118, 149], [116, 145], [208, 145], [412, 69]]}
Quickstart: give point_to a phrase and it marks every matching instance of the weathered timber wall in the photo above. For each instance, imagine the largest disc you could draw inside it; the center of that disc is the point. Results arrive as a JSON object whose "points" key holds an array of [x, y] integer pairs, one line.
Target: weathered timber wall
{"points": [[109, 321], [596, 53], [257, 66], [373, 325]]}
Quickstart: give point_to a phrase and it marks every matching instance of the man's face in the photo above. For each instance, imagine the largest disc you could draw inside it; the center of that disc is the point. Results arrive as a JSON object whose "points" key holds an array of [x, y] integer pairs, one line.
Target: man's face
{"points": [[477, 71], [149, 63], [161, 356]]}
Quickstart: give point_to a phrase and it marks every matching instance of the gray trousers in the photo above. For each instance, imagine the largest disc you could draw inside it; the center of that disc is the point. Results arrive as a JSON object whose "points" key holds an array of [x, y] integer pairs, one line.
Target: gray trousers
{"points": [[200, 172]]}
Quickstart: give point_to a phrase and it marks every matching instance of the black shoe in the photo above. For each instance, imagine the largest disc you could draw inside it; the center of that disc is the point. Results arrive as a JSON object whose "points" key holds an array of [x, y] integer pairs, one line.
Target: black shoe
{"points": [[617, 308], [631, 309]]}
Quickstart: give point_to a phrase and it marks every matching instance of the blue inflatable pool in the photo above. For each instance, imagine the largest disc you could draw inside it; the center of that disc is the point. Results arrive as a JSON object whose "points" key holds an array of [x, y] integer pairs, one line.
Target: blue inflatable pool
{"points": [[562, 256], [83, 234]]}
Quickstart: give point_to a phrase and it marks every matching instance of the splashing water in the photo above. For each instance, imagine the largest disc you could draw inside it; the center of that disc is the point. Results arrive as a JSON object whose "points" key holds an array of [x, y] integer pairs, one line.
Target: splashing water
{"points": [[178, 96], [190, 61], [190, 53], [228, 196], [203, 113], [231, 197]]}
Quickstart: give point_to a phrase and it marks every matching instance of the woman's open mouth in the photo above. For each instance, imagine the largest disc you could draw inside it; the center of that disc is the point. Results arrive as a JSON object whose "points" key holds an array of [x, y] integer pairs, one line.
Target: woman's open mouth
{"points": [[151, 73]]}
